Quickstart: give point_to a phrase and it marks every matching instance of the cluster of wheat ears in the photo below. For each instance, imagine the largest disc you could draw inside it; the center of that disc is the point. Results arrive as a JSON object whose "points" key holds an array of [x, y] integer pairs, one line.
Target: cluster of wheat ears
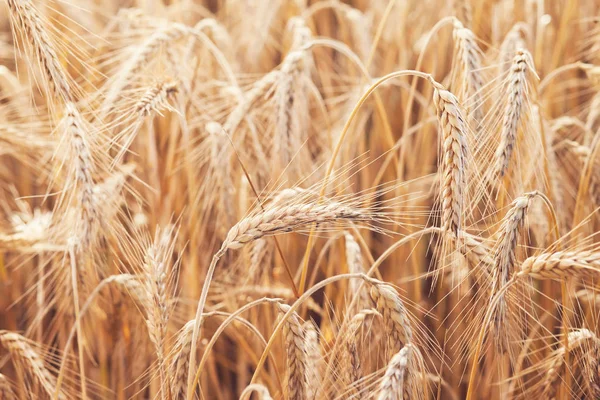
{"points": [[299, 199]]}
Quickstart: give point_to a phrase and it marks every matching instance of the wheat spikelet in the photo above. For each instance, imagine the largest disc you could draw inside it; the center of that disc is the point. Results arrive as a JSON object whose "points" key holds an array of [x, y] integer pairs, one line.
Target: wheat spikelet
{"points": [[583, 153], [219, 161], [132, 285], [29, 230], [477, 253], [26, 18], [562, 265], [517, 96], [297, 363], [156, 97], [300, 32], [454, 148], [395, 315], [24, 355]]}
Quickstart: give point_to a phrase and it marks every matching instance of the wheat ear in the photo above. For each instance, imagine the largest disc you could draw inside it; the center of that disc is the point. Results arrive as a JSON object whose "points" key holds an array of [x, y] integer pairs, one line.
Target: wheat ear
{"points": [[504, 260], [314, 359], [470, 67], [394, 313], [454, 148], [6, 390], [356, 264], [295, 344], [398, 380], [24, 355], [576, 340], [291, 107], [157, 309], [27, 19], [352, 361], [562, 265], [179, 365], [84, 169], [517, 89]]}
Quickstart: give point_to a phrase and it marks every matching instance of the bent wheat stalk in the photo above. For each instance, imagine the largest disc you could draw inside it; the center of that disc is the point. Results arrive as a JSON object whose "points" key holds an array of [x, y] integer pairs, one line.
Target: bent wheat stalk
{"points": [[271, 221]]}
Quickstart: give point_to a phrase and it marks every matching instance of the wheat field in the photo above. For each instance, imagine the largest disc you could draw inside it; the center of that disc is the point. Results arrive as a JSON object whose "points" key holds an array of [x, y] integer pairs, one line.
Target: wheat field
{"points": [[299, 199]]}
